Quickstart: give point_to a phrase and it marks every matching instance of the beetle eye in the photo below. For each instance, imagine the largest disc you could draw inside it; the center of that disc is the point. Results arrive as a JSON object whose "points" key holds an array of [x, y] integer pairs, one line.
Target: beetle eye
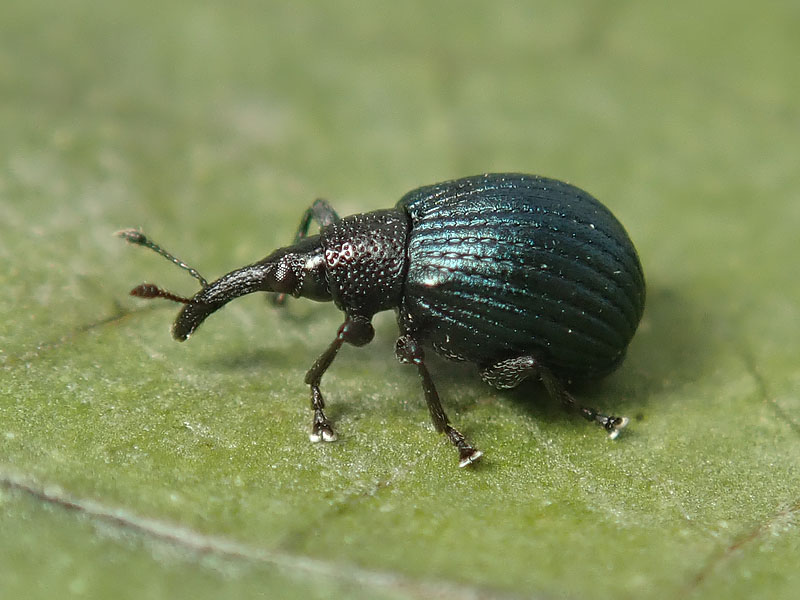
{"points": [[283, 272], [285, 278]]}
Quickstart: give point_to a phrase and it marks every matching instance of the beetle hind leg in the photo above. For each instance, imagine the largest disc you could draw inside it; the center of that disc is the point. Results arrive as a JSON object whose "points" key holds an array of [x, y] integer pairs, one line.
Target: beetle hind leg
{"points": [[409, 351], [510, 373]]}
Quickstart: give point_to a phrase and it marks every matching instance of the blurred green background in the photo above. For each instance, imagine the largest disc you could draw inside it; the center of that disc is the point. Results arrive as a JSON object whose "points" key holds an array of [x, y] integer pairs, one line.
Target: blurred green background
{"points": [[135, 467]]}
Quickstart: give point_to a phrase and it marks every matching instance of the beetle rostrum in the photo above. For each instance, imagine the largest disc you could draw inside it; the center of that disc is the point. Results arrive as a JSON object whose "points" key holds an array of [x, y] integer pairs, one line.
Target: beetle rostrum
{"points": [[521, 275]]}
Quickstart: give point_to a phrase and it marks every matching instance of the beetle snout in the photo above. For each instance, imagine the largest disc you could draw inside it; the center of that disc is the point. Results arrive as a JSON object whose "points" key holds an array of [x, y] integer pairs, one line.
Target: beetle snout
{"points": [[190, 318]]}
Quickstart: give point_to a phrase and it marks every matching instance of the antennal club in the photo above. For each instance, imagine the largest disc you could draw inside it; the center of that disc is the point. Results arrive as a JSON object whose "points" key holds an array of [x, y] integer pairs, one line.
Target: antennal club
{"points": [[135, 236], [148, 290]]}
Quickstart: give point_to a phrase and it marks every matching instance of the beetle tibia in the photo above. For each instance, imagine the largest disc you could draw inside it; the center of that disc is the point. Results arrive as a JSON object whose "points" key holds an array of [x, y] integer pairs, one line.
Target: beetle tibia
{"points": [[613, 425]]}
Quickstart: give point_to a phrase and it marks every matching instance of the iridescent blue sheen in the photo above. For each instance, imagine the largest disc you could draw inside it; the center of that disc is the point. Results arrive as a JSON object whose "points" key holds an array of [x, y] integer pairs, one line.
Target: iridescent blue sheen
{"points": [[508, 265]]}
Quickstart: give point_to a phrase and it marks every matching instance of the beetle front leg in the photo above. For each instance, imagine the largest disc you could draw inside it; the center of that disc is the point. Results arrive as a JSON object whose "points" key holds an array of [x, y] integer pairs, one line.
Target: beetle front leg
{"points": [[409, 351], [357, 331]]}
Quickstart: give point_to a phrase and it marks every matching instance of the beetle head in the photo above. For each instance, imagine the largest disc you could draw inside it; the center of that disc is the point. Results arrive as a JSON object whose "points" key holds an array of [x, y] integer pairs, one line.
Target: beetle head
{"points": [[298, 270]]}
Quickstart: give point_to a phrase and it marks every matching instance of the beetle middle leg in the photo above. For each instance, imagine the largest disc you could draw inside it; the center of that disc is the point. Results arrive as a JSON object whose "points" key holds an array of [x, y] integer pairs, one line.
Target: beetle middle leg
{"points": [[320, 213], [409, 351], [356, 331], [510, 373]]}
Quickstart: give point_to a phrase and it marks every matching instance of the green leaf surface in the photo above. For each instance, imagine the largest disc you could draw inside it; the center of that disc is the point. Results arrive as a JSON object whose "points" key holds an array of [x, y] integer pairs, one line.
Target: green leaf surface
{"points": [[132, 466]]}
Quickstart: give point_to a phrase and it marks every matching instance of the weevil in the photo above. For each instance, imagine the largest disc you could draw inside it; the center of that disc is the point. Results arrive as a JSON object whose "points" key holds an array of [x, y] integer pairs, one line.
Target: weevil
{"points": [[521, 275]]}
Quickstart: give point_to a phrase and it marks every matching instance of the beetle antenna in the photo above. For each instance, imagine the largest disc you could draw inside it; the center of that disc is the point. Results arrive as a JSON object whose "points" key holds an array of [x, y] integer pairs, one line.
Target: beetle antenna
{"points": [[135, 236]]}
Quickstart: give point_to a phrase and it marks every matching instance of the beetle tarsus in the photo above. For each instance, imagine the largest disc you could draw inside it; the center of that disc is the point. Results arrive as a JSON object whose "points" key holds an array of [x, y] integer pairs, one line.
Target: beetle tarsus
{"points": [[613, 425], [467, 453], [610, 423], [321, 429], [470, 457]]}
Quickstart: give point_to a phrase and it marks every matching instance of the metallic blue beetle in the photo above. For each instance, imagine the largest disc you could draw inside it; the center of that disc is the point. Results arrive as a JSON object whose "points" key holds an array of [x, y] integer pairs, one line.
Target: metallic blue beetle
{"points": [[521, 275]]}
